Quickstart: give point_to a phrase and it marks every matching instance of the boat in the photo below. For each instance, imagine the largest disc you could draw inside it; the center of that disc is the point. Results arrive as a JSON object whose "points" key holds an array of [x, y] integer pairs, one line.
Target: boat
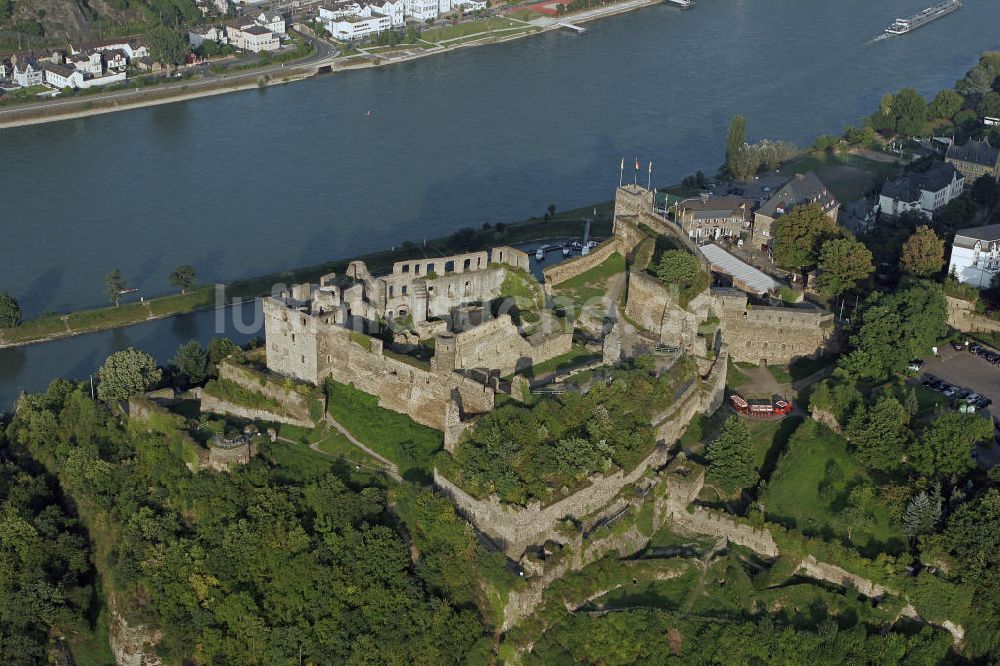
{"points": [[565, 249], [680, 4], [585, 251], [540, 254], [902, 26]]}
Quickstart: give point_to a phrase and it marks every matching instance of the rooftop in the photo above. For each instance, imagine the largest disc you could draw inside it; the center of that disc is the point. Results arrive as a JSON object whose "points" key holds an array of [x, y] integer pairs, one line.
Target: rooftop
{"points": [[804, 188], [979, 152], [967, 238], [739, 270], [909, 187]]}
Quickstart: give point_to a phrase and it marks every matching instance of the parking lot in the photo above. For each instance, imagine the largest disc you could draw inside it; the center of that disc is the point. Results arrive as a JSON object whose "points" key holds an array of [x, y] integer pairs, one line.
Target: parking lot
{"points": [[970, 372]]}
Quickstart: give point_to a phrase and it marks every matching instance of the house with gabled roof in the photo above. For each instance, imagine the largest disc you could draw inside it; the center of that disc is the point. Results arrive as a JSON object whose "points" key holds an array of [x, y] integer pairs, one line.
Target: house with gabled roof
{"points": [[804, 188]]}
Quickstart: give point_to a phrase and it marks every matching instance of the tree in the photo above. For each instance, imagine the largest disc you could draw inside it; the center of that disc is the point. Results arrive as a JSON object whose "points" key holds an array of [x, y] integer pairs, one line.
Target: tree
{"points": [[744, 163], [989, 105], [799, 234], [192, 361], [126, 374], [218, 349], [884, 119], [946, 446], [879, 434], [10, 311], [923, 252], [731, 457], [876, 350], [842, 264], [957, 213], [946, 104], [985, 191], [859, 136], [183, 278], [735, 141], [922, 513], [114, 285], [910, 110], [678, 267], [168, 45]]}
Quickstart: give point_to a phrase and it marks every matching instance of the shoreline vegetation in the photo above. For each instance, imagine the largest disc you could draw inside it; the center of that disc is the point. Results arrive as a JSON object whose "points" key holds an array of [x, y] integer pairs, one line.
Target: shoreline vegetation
{"points": [[49, 327], [36, 114]]}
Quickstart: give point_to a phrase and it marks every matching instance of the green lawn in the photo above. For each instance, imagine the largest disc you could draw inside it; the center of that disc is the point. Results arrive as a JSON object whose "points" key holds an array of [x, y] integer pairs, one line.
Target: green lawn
{"points": [[780, 374], [578, 355], [591, 285], [809, 490], [397, 437], [847, 176], [468, 28]]}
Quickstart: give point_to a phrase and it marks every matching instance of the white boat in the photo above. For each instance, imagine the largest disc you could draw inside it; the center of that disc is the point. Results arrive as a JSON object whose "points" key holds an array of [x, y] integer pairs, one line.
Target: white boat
{"points": [[586, 250], [565, 250], [680, 4], [539, 254]]}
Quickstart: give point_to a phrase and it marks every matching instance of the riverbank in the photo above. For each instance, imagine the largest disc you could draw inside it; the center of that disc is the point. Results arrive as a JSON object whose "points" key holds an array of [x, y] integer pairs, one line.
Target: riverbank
{"points": [[47, 328], [370, 58]]}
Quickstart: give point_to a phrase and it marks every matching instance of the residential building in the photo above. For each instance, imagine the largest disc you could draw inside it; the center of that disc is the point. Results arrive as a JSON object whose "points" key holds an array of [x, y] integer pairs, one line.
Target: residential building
{"points": [[115, 59], [134, 49], [859, 216], [926, 192], [199, 36], [273, 22], [358, 27], [26, 72], [86, 63], [444, 6], [63, 76], [975, 159], [252, 38], [975, 255], [422, 10], [803, 189], [469, 5], [710, 217], [394, 9]]}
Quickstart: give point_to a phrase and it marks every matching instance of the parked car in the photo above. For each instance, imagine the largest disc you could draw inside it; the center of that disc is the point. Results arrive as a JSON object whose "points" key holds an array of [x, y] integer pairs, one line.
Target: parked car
{"points": [[971, 400], [963, 394], [983, 403], [957, 346], [950, 391], [915, 366]]}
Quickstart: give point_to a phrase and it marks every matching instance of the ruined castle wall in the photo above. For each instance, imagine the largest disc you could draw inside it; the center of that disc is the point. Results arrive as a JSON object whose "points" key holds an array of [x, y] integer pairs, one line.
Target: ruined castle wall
{"points": [[291, 341], [515, 528], [570, 268], [653, 306], [962, 315], [457, 263], [454, 289], [293, 407], [511, 256], [497, 344], [775, 334]]}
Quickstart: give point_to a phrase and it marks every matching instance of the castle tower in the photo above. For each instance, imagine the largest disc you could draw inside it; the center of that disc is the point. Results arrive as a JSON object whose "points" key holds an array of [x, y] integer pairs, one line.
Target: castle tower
{"points": [[445, 353]]}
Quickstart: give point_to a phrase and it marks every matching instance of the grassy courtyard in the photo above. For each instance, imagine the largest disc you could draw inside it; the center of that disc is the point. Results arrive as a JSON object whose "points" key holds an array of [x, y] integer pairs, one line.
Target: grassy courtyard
{"points": [[811, 490], [591, 285]]}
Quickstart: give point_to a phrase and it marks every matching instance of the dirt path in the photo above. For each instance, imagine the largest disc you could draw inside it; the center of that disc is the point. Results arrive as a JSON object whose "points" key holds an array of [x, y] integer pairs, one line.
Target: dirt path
{"points": [[390, 467]]}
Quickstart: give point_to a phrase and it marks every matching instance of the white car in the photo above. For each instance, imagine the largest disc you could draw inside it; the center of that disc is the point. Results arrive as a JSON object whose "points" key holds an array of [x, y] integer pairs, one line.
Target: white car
{"points": [[972, 398], [915, 366]]}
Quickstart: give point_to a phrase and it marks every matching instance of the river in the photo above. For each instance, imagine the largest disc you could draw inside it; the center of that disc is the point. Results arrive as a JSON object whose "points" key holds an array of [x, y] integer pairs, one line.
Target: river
{"points": [[258, 181]]}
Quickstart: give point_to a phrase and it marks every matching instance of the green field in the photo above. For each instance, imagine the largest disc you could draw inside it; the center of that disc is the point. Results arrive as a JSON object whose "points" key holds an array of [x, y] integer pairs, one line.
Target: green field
{"points": [[849, 177], [591, 285], [397, 437], [809, 491], [468, 28]]}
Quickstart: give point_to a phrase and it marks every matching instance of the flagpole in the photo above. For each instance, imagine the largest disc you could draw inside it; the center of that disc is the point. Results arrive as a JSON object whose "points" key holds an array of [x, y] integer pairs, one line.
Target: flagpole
{"points": [[621, 173], [649, 179], [635, 179]]}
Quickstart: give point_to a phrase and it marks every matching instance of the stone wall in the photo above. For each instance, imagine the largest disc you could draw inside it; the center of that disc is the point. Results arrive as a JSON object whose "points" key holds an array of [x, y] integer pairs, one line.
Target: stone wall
{"points": [[962, 315], [654, 307], [498, 345], [294, 407], [571, 268], [770, 334], [131, 645], [515, 528]]}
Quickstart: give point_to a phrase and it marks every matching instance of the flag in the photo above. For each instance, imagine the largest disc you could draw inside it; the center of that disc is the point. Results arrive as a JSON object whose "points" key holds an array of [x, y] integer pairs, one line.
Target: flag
{"points": [[637, 164], [650, 166], [623, 164]]}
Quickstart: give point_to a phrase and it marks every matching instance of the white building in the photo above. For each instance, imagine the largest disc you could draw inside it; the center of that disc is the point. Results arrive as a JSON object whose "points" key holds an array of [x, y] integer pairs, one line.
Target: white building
{"points": [[115, 59], [358, 27], [199, 36], [87, 63], [27, 74], [272, 22], [422, 10], [925, 192], [470, 5], [444, 6], [63, 76], [351, 21], [975, 255], [134, 49], [252, 38], [394, 9]]}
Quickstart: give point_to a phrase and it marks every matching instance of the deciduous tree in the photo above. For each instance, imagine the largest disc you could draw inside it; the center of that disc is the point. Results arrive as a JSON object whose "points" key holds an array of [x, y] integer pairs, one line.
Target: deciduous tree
{"points": [[184, 278], [126, 374], [10, 311], [192, 361], [945, 450], [946, 104], [879, 434], [923, 252], [799, 234], [114, 285], [843, 263]]}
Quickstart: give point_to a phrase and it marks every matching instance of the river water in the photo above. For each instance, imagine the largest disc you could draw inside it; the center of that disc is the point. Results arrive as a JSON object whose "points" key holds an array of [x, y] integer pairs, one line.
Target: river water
{"points": [[258, 181]]}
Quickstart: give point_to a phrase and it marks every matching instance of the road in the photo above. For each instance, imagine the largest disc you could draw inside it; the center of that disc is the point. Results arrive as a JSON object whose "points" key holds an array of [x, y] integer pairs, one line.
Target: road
{"points": [[323, 53]]}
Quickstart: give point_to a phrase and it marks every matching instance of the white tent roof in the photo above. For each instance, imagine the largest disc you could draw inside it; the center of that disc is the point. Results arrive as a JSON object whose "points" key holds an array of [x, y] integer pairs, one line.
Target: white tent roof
{"points": [[740, 270]]}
